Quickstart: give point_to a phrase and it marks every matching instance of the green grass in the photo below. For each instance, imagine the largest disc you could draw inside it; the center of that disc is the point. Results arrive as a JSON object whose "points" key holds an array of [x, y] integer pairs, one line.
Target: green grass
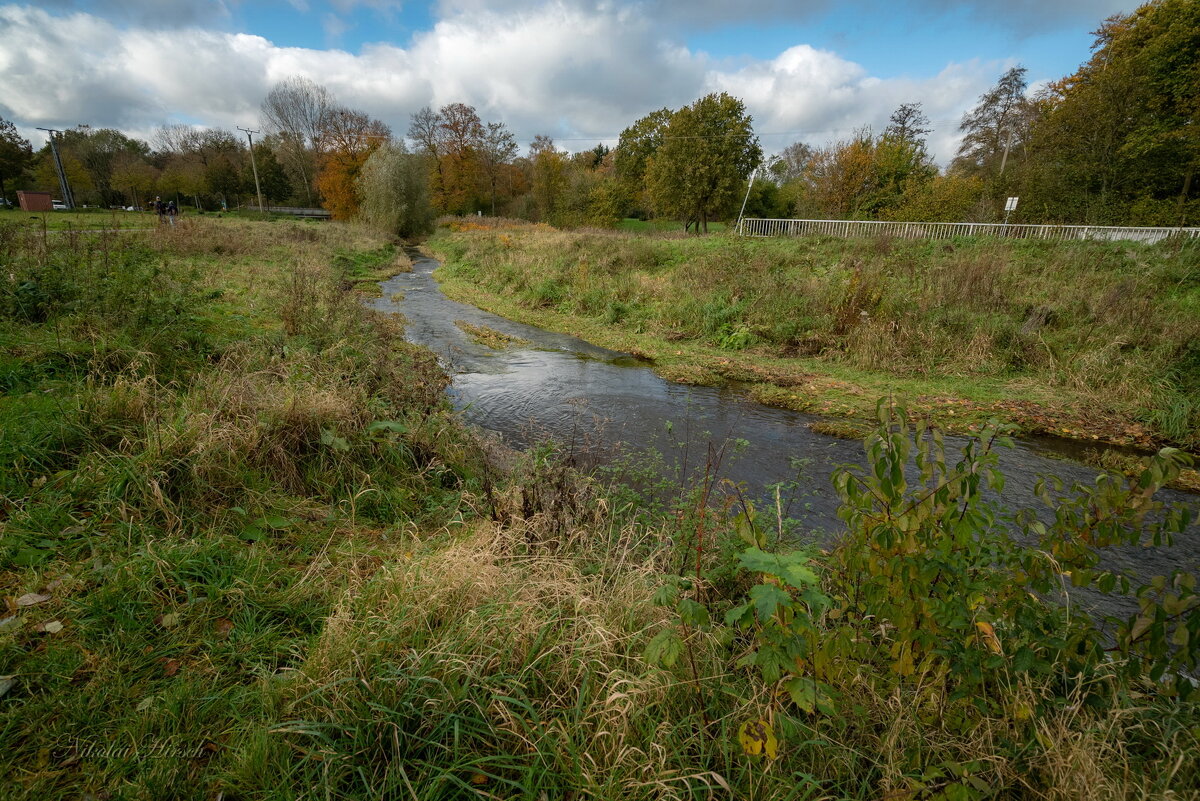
{"points": [[1088, 340], [247, 552], [78, 219], [636, 226]]}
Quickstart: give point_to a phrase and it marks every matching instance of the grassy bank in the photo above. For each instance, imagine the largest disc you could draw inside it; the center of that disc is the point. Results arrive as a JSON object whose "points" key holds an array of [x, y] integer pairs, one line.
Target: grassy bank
{"points": [[247, 553], [1093, 341]]}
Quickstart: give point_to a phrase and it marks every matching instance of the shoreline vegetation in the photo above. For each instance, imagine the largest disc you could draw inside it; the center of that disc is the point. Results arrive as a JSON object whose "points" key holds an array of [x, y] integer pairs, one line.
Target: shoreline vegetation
{"points": [[247, 551], [1092, 342]]}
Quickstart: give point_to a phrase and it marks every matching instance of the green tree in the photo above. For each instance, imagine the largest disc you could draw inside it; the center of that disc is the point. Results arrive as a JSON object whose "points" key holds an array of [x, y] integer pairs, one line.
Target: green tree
{"points": [[272, 176], [901, 162], [98, 150], [16, 156], [135, 175], [394, 189], [840, 178], [1119, 140], [45, 176], [548, 178], [996, 127], [637, 144], [708, 151]]}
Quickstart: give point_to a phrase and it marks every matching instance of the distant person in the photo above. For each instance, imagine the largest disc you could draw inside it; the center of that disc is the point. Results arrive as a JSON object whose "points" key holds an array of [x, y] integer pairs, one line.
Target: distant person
{"points": [[172, 210], [160, 209]]}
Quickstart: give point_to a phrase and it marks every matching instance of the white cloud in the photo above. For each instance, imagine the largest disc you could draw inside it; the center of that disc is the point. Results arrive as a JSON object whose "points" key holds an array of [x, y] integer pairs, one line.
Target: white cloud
{"points": [[568, 69], [822, 97]]}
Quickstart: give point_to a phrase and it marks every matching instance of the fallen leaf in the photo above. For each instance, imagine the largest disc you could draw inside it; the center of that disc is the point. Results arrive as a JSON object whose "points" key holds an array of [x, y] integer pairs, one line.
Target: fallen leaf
{"points": [[989, 636], [478, 778], [10, 624], [168, 621], [7, 683], [144, 704], [53, 627], [223, 627], [170, 666], [32, 598], [757, 737]]}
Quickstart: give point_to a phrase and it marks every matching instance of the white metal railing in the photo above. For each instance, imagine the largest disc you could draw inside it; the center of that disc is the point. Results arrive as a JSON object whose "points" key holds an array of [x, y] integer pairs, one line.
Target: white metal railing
{"points": [[919, 230]]}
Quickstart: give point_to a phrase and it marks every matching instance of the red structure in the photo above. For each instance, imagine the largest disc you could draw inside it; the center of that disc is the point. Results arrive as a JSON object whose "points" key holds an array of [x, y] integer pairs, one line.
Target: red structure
{"points": [[35, 201]]}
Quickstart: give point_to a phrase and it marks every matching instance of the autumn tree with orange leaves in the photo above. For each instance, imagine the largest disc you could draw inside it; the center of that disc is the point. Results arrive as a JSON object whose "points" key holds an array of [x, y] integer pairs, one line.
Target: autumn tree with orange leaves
{"points": [[347, 138], [467, 158]]}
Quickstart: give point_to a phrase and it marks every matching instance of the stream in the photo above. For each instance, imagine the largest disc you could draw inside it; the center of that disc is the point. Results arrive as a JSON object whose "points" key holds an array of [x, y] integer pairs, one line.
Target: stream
{"points": [[591, 399]]}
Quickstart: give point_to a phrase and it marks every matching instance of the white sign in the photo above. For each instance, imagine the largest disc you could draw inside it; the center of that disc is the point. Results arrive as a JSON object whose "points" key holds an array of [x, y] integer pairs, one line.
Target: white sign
{"points": [[1011, 204]]}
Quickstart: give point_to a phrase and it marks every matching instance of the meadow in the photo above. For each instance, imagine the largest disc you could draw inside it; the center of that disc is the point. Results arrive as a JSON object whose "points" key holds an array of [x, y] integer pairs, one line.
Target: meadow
{"points": [[1084, 340], [247, 551]]}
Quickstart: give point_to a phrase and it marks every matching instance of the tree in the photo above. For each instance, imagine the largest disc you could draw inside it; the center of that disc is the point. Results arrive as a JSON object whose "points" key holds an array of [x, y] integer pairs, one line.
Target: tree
{"points": [[901, 161], [637, 144], [272, 177], [183, 176], [908, 123], [425, 131], [840, 177], [498, 148], [708, 151], [548, 179], [790, 164], [944, 198], [997, 125], [135, 175], [16, 155], [346, 139], [97, 150], [45, 175], [1119, 140], [295, 111], [207, 161], [394, 189], [462, 140]]}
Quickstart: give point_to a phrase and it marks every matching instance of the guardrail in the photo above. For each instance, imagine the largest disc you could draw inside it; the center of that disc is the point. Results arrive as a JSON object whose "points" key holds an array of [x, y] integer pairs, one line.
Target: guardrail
{"points": [[918, 230], [296, 211]]}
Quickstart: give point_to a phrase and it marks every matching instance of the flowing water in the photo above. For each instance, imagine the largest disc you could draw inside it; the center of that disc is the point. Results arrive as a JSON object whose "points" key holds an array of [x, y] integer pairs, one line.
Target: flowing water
{"points": [[591, 398]]}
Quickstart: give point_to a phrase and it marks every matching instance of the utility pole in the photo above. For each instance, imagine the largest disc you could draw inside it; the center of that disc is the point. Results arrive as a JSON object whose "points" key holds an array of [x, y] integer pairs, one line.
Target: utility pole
{"points": [[58, 165], [742, 213], [253, 165]]}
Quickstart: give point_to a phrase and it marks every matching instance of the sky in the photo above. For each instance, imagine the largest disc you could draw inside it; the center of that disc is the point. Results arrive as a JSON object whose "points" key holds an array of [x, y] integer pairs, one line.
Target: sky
{"points": [[579, 71]]}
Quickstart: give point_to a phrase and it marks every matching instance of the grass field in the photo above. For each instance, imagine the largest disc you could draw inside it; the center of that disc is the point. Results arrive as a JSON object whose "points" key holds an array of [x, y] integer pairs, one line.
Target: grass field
{"points": [[247, 552], [76, 219], [1093, 341], [632, 225]]}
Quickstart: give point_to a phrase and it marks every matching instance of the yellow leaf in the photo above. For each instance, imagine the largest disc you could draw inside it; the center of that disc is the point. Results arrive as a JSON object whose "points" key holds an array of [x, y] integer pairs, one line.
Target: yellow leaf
{"points": [[478, 778], [1021, 710], [989, 636], [757, 737], [1139, 626]]}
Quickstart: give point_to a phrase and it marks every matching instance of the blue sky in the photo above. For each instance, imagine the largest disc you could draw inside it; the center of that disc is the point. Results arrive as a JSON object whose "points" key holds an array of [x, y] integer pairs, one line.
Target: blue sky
{"points": [[577, 70]]}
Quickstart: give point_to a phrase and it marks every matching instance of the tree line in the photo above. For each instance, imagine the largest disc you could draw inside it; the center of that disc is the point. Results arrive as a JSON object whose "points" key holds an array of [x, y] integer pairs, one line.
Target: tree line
{"points": [[1116, 142]]}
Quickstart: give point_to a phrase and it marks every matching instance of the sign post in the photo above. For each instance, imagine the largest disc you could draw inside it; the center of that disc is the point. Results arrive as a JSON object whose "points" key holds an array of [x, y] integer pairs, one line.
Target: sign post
{"points": [[1010, 206]]}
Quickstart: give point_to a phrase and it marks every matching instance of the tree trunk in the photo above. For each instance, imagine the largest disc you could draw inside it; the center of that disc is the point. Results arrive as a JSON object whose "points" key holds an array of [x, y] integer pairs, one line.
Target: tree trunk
{"points": [[307, 183]]}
